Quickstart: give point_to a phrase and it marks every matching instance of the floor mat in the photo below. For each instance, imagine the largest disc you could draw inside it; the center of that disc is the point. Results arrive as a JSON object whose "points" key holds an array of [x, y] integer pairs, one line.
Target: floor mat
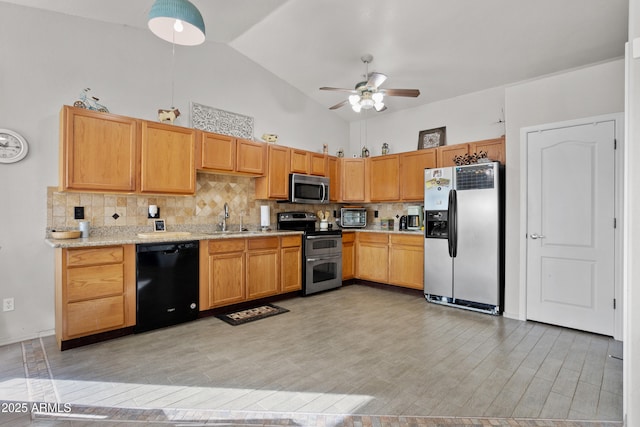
{"points": [[249, 315]]}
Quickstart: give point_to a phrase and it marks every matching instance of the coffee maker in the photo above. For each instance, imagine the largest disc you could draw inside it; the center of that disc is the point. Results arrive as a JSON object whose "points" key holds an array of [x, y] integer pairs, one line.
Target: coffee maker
{"points": [[414, 217]]}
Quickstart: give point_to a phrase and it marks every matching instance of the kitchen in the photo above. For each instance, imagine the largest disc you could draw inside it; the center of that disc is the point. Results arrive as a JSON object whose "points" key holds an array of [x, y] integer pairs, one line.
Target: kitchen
{"points": [[34, 98]]}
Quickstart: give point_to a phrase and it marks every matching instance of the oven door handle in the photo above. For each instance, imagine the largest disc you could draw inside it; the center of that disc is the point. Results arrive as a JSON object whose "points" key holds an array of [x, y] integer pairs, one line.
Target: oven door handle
{"points": [[338, 256], [323, 237]]}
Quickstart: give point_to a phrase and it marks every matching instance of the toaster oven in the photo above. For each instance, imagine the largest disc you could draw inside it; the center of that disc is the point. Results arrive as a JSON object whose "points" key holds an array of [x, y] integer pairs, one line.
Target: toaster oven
{"points": [[353, 217]]}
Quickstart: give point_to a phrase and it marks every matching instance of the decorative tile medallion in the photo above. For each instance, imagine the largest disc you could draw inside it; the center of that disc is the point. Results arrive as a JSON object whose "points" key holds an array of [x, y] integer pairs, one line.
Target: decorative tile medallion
{"points": [[220, 121]]}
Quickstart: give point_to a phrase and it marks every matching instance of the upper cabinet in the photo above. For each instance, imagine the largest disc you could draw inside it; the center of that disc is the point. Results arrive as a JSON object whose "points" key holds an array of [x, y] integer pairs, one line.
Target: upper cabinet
{"points": [[167, 160], [308, 162], [109, 153], [412, 166], [353, 180], [229, 155], [384, 178], [335, 179], [275, 184], [495, 149], [446, 153], [98, 151]]}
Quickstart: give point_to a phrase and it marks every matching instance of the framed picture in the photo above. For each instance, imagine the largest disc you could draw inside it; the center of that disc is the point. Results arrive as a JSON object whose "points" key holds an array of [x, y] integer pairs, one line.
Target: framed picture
{"points": [[432, 138], [158, 225]]}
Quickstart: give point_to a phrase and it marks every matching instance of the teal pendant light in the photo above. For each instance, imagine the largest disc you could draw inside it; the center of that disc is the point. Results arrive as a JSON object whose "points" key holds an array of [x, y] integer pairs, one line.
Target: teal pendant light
{"points": [[177, 21]]}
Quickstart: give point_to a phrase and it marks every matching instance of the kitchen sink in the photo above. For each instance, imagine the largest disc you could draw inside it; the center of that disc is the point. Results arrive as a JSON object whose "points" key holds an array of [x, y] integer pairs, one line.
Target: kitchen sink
{"points": [[231, 232]]}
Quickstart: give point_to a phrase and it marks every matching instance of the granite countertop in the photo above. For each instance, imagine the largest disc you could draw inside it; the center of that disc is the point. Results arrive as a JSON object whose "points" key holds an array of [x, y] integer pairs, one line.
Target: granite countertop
{"points": [[379, 230], [124, 237]]}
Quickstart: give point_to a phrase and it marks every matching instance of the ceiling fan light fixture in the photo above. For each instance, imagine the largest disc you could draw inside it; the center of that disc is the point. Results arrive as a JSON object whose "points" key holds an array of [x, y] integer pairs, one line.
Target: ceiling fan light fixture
{"points": [[378, 106], [377, 97], [367, 103], [354, 99], [166, 17], [356, 107]]}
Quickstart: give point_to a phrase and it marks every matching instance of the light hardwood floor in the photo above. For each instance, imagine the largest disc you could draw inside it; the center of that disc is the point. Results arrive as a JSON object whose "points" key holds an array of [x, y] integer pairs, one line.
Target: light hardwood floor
{"points": [[356, 350]]}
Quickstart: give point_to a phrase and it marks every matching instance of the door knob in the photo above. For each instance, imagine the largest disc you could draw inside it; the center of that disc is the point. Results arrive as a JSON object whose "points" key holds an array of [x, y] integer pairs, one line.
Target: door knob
{"points": [[535, 236]]}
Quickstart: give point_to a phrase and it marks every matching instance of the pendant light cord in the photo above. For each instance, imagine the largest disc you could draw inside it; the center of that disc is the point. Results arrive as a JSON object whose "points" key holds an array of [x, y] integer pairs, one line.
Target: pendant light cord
{"points": [[173, 67]]}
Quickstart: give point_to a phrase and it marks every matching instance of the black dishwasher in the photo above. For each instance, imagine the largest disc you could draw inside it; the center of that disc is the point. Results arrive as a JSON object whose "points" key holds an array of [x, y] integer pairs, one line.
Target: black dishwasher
{"points": [[166, 284]]}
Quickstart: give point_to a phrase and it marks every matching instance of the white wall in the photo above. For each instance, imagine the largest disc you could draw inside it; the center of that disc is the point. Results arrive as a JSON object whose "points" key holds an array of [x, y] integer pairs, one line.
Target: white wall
{"points": [[47, 59], [586, 92]]}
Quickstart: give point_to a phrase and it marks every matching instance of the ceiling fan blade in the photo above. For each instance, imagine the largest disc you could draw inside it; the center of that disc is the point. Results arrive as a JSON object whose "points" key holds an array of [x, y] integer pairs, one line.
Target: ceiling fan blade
{"points": [[376, 79], [338, 89], [413, 93], [338, 105]]}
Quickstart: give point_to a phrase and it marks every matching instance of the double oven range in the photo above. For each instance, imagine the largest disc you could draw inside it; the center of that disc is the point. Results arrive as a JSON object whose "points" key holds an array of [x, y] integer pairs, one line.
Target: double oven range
{"points": [[321, 252]]}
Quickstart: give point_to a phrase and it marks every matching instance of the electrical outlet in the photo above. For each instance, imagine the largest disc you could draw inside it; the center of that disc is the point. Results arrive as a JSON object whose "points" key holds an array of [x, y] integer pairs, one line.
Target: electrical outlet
{"points": [[78, 212], [7, 304]]}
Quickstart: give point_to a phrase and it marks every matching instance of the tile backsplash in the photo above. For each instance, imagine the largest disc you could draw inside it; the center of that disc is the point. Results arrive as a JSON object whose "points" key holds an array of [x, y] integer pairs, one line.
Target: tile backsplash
{"points": [[203, 208]]}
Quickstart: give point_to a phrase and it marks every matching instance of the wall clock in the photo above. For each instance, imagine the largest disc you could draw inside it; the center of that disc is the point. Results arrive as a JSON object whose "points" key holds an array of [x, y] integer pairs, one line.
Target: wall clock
{"points": [[13, 146]]}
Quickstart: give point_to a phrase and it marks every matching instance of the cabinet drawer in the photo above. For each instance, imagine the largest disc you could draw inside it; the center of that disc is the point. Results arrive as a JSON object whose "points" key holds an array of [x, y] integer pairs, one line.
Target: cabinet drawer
{"points": [[262, 243], [94, 282], [373, 238], [396, 239], [226, 245], [93, 256], [348, 237], [289, 241], [95, 315]]}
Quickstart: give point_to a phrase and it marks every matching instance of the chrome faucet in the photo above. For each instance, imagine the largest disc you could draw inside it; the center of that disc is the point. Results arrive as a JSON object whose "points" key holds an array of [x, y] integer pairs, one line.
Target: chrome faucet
{"points": [[225, 215]]}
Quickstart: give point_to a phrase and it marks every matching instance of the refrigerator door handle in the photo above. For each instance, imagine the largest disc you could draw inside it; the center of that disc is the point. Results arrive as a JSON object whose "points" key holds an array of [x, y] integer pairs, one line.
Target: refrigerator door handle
{"points": [[453, 225]]}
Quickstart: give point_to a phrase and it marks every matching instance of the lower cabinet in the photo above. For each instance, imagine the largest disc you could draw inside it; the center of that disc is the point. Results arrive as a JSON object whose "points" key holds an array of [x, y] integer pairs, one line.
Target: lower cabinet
{"points": [[291, 263], [242, 269], [348, 255], [263, 267], [373, 257], [225, 263], [406, 260], [394, 259], [95, 290]]}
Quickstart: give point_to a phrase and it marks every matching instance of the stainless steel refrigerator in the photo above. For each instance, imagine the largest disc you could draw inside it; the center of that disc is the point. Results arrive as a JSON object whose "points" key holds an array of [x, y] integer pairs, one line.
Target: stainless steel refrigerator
{"points": [[464, 236]]}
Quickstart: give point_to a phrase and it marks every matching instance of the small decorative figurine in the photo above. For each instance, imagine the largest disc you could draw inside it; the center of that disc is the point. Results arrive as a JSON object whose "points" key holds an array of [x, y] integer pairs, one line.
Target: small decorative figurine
{"points": [[89, 102], [365, 152], [340, 152], [325, 148], [385, 148], [270, 137], [168, 116]]}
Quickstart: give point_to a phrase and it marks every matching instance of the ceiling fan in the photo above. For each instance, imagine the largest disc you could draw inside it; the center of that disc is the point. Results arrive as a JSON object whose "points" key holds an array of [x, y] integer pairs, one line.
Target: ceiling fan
{"points": [[367, 94]]}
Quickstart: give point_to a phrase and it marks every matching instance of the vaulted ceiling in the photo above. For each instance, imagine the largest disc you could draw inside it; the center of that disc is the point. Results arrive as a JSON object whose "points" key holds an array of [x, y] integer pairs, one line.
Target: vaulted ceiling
{"points": [[443, 48]]}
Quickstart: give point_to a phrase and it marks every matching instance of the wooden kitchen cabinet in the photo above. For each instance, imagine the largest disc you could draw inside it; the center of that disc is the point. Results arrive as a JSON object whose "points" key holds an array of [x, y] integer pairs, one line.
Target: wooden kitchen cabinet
{"points": [[263, 267], [109, 153], [348, 255], [412, 166], [95, 290], [384, 178], [446, 153], [353, 180], [167, 164], [406, 260], [228, 155], [495, 149], [373, 257], [335, 180], [275, 184], [308, 162], [98, 151], [291, 263], [225, 279]]}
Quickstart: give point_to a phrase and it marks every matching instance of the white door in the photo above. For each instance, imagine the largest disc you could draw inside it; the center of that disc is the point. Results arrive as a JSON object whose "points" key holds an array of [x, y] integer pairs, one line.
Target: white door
{"points": [[570, 226]]}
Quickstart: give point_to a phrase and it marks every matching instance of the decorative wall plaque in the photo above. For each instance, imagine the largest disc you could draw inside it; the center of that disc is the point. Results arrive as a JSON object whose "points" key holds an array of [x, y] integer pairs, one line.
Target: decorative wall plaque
{"points": [[220, 121]]}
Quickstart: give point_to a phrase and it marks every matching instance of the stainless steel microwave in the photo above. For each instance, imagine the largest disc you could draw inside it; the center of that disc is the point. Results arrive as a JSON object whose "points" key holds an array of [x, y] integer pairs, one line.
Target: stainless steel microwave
{"points": [[308, 188]]}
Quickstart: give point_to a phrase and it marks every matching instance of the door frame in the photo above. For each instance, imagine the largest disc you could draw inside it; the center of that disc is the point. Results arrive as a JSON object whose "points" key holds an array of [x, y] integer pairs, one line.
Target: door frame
{"points": [[618, 119]]}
